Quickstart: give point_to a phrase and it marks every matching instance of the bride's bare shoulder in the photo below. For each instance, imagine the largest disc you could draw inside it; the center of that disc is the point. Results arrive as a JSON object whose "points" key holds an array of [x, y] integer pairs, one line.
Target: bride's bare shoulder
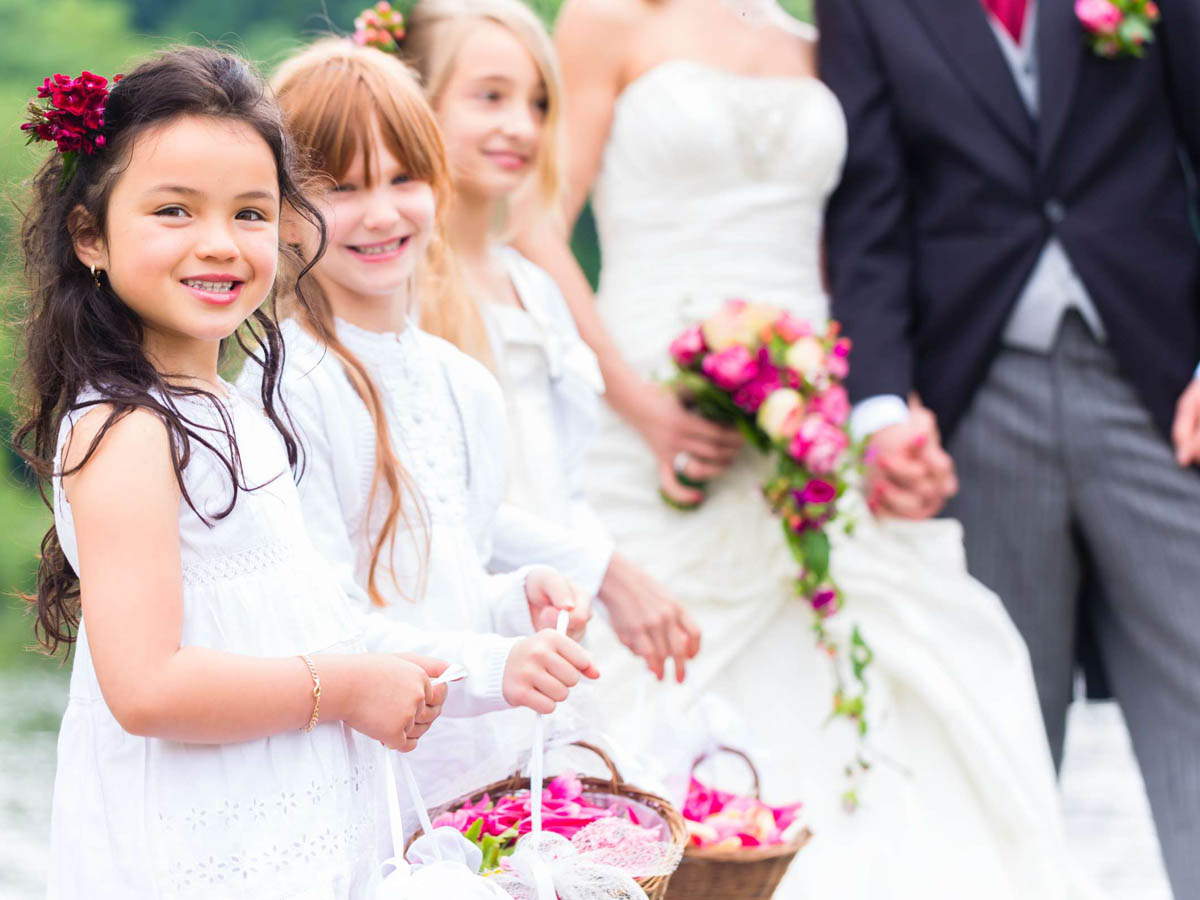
{"points": [[789, 38], [608, 16]]}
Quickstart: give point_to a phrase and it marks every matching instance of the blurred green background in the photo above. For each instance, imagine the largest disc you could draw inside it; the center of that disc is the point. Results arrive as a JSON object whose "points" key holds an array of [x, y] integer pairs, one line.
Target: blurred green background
{"points": [[41, 37]]}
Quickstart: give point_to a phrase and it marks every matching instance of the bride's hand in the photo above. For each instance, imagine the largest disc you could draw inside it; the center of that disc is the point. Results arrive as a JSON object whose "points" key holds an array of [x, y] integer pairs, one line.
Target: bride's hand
{"points": [[647, 619], [676, 435]]}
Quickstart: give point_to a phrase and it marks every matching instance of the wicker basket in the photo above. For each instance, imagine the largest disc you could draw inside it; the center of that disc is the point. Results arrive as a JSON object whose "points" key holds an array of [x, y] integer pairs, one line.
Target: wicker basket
{"points": [[614, 785], [748, 873]]}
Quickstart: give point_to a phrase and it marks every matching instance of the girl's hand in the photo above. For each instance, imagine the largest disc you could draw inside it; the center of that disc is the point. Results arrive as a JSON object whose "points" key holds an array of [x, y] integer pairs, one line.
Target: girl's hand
{"points": [[548, 592], [430, 711], [542, 669], [675, 435], [393, 699]]}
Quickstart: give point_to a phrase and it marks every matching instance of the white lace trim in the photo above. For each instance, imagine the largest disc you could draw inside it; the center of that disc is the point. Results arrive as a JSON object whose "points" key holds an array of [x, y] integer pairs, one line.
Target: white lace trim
{"points": [[244, 562], [265, 848]]}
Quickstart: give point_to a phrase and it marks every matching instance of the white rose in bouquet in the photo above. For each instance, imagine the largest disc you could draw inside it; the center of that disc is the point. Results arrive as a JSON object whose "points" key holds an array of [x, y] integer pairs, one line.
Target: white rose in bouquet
{"points": [[781, 413], [806, 356]]}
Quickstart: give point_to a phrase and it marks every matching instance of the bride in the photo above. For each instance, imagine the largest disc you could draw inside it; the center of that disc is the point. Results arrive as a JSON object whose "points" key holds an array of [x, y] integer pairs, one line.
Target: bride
{"points": [[709, 148]]}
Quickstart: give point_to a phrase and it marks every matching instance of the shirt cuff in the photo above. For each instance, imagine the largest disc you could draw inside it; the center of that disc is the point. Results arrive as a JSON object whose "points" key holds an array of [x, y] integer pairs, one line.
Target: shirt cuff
{"points": [[1196, 374], [876, 413], [485, 656], [510, 608]]}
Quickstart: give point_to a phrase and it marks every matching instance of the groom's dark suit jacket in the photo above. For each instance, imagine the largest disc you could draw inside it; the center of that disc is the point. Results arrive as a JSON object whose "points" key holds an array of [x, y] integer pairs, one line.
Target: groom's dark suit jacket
{"points": [[951, 191]]}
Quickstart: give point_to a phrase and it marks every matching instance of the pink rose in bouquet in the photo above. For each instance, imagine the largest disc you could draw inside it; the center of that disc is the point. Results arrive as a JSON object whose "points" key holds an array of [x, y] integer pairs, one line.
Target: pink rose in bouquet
{"points": [[688, 347], [791, 327], [825, 602], [832, 403], [817, 491], [750, 396], [730, 368], [818, 444], [738, 323]]}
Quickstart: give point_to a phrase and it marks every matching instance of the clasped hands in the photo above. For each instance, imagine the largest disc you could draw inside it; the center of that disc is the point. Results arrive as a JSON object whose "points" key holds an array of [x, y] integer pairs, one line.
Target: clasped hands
{"points": [[909, 474], [1185, 432]]}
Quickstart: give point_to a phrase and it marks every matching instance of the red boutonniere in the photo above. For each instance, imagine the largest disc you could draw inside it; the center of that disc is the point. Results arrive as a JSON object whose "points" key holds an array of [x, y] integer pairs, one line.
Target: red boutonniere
{"points": [[1118, 28]]}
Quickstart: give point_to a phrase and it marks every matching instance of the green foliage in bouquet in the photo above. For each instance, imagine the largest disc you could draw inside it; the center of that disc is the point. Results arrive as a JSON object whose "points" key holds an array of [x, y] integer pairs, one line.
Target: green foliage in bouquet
{"points": [[776, 380]]}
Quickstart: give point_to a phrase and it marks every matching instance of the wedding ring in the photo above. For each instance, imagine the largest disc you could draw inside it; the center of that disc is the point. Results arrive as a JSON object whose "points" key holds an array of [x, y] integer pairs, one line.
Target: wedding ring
{"points": [[680, 464]]}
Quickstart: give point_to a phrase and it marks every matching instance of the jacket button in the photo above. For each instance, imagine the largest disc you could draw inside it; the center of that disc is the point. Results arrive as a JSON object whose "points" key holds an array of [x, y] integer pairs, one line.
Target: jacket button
{"points": [[1055, 211]]}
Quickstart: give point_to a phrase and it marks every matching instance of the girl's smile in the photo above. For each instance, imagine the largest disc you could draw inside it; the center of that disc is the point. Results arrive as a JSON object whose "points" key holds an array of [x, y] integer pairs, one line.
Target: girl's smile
{"points": [[380, 251], [219, 289], [509, 160]]}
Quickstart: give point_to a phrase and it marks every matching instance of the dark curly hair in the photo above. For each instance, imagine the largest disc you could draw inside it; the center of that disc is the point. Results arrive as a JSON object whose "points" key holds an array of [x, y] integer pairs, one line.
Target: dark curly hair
{"points": [[79, 335]]}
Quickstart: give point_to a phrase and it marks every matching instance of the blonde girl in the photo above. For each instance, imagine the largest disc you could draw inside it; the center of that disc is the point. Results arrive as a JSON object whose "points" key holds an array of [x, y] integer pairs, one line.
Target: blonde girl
{"points": [[489, 71]]}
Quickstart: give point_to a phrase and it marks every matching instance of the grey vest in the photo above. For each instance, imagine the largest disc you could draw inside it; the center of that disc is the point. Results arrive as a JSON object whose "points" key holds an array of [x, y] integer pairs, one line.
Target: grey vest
{"points": [[1053, 287]]}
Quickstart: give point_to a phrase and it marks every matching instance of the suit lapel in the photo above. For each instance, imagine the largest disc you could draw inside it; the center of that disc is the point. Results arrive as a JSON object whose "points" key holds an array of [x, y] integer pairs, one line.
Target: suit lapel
{"points": [[1060, 49], [961, 32]]}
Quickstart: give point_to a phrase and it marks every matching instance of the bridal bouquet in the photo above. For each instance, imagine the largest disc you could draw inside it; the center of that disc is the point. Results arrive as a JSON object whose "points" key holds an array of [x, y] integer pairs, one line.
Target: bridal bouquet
{"points": [[769, 374]]}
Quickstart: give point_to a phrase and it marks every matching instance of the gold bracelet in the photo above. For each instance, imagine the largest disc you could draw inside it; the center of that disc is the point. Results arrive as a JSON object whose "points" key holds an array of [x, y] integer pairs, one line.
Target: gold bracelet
{"points": [[312, 723]]}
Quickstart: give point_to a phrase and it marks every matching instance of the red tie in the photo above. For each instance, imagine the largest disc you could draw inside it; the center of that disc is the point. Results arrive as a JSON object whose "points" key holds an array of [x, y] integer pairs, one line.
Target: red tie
{"points": [[1010, 14]]}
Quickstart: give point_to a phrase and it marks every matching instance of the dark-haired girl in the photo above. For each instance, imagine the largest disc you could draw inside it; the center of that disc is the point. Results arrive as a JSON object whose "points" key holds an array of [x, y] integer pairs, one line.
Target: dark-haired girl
{"points": [[223, 734]]}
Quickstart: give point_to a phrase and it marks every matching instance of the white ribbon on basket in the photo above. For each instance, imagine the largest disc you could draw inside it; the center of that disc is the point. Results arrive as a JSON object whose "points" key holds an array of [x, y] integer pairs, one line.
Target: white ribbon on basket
{"points": [[443, 862], [599, 863]]}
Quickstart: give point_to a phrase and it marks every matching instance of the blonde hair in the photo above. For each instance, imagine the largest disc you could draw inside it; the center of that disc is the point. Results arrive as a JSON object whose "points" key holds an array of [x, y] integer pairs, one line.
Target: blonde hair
{"points": [[334, 95], [435, 33]]}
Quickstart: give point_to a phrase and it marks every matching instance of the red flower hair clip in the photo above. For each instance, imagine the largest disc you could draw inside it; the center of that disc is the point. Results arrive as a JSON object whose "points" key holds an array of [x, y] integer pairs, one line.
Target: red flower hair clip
{"points": [[70, 112], [379, 26]]}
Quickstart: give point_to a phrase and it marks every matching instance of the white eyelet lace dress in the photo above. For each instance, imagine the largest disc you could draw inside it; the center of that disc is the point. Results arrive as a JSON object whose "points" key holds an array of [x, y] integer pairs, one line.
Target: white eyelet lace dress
{"points": [[295, 815]]}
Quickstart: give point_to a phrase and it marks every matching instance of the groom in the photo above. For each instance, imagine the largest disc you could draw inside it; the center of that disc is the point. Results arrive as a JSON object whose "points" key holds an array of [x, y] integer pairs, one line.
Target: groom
{"points": [[1012, 244]]}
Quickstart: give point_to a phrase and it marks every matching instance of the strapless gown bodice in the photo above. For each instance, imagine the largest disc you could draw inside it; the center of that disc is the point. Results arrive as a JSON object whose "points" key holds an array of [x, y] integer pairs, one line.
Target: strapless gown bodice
{"points": [[713, 185]]}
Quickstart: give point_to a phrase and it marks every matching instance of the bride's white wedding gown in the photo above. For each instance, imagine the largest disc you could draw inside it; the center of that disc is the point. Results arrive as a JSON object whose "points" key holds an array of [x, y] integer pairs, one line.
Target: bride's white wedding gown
{"points": [[713, 186]]}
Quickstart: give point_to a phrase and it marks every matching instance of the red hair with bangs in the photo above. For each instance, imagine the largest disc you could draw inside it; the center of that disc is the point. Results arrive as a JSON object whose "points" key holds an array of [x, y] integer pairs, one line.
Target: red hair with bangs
{"points": [[334, 95]]}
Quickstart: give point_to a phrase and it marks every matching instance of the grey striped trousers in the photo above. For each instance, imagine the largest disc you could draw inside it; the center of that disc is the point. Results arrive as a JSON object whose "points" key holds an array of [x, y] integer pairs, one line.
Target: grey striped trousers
{"points": [[1063, 473]]}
